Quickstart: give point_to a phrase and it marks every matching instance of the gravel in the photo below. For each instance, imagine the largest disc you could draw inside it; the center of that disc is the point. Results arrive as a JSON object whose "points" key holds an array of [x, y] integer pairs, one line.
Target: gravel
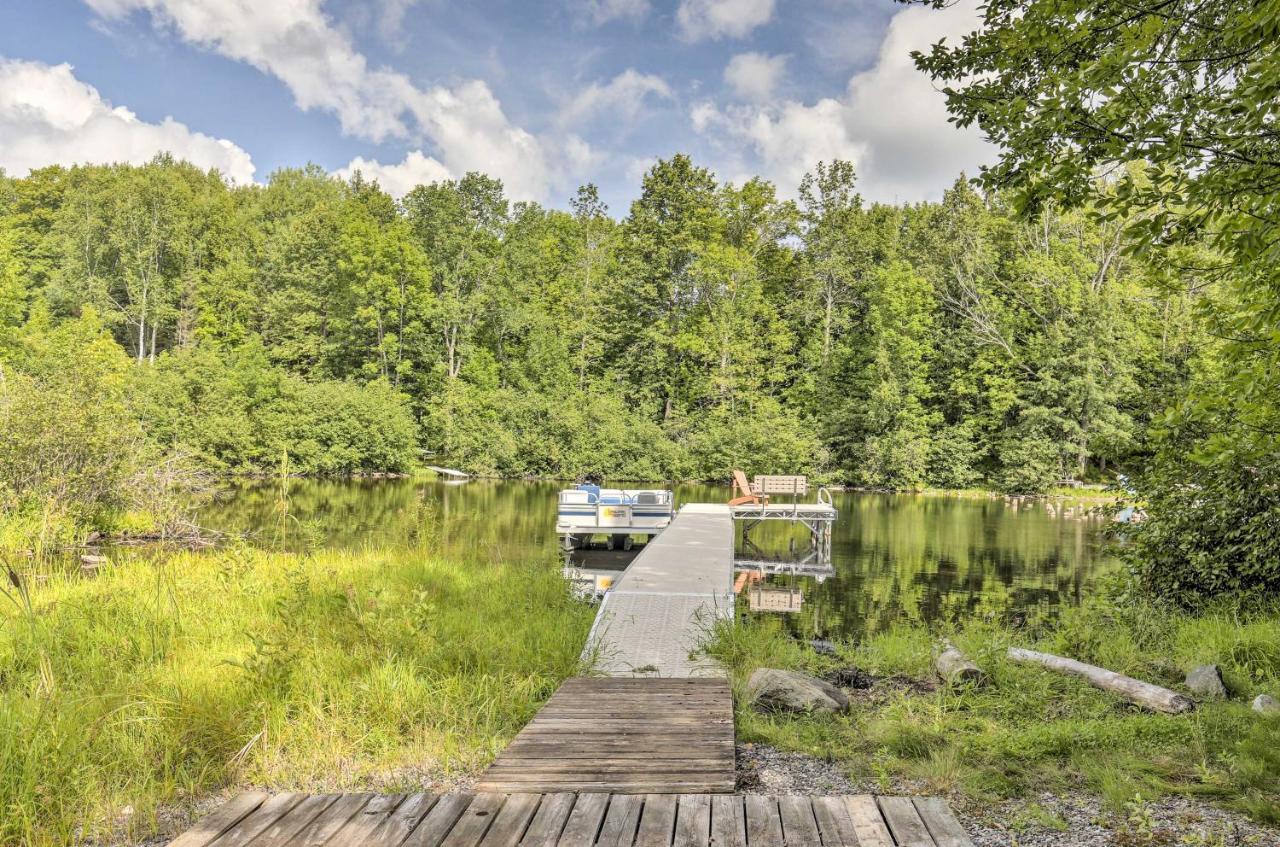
{"points": [[1050, 820]]}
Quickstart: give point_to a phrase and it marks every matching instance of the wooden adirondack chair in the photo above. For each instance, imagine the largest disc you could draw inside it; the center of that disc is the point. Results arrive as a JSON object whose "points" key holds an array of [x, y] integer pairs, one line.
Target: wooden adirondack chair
{"points": [[745, 493]]}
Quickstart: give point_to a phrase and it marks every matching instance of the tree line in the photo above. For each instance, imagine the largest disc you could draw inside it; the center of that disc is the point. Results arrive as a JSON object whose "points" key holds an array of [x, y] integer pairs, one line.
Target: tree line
{"points": [[714, 326]]}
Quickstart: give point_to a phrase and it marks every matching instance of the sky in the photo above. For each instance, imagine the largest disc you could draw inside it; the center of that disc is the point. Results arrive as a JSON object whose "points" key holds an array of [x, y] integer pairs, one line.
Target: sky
{"points": [[545, 95]]}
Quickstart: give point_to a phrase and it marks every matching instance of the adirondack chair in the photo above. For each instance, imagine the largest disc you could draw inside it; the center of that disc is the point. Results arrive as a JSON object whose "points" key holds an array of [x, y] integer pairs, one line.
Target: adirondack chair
{"points": [[745, 493]]}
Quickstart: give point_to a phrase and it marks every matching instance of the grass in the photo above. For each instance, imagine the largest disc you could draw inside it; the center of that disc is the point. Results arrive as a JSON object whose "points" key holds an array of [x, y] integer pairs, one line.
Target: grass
{"points": [[171, 675], [1030, 730]]}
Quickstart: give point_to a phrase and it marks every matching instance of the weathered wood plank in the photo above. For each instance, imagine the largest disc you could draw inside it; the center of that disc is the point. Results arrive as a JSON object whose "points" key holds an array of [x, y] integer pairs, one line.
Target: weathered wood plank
{"points": [[585, 820], [620, 822], [361, 827], [904, 822], [285, 830], [548, 822], [474, 821], [728, 821], [260, 819], [833, 822], [435, 827], [657, 821], [941, 823], [764, 822], [867, 822], [221, 819], [331, 820], [693, 821], [509, 825], [799, 828], [396, 828]]}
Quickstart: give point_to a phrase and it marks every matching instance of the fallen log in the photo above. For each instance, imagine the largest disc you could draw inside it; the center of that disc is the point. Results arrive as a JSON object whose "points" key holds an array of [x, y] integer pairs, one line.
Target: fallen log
{"points": [[954, 666], [1134, 690]]}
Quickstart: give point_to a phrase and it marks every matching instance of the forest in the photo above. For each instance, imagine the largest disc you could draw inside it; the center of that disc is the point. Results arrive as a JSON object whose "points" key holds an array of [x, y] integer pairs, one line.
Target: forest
{"points": [[713, 326]]}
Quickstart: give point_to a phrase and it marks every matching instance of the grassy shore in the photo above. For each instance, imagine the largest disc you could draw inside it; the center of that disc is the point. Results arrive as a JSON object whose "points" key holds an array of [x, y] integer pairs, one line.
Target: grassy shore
{"points": [[170, 675], [1030, 730]]}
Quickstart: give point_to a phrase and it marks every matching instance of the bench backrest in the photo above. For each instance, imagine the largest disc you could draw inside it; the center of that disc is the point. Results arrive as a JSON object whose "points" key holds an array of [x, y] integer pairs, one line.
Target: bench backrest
{"points": [[797, 485]]}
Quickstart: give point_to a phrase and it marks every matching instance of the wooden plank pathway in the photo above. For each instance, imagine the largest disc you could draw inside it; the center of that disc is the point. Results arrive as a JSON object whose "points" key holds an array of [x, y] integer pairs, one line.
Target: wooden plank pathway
{"points": [[657, 613], [622, 735], [575, 820]]}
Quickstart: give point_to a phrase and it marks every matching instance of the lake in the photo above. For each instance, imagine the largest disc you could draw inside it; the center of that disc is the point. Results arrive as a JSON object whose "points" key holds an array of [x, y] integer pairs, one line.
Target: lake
{"points": [[893, 558]]}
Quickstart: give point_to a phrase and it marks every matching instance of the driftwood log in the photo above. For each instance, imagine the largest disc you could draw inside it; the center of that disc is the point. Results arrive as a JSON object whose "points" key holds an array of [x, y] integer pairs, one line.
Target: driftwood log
{"points": [[1134, 690], [954, 666]]}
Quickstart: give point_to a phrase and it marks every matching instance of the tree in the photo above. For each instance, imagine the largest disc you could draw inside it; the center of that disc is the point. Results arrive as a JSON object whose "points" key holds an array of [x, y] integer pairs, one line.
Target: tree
{"points": [[1162, 113]]}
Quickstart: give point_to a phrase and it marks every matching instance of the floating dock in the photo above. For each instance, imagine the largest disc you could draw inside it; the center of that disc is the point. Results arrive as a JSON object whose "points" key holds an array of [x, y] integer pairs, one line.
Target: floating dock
{"points": [[661, 609]]}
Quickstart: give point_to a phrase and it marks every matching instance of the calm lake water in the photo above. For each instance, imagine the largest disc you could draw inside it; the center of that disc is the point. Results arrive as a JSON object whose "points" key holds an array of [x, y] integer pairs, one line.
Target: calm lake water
{"points": [[893, 558]]}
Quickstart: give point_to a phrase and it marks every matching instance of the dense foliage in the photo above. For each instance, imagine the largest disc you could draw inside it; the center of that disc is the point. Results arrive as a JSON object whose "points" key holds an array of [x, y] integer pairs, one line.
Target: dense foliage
{"points": [[715, 326], [1176, 104]]}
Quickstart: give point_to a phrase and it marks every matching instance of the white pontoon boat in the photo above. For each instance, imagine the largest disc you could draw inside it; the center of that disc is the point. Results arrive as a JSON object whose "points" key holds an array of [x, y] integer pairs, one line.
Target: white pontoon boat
{"points": [[620, 513]]}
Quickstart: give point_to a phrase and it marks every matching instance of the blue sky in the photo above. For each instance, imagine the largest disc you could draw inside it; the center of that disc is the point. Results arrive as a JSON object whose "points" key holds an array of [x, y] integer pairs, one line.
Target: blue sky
{"points": [[544, 95]]}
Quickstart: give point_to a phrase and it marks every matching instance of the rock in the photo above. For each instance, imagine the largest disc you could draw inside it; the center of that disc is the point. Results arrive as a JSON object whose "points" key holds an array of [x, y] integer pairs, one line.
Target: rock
{"points": [[788, 691], [92, 561], [1206, 681], [1266, 704]]}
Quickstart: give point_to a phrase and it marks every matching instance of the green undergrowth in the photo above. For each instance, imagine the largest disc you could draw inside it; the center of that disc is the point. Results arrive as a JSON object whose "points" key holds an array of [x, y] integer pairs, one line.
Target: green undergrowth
{"points": [[171, 675], [1030, 730]]}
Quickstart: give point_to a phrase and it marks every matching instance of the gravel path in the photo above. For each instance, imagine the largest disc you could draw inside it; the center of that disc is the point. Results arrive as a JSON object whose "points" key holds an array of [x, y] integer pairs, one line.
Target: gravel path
{"points": [[1048, 821]]}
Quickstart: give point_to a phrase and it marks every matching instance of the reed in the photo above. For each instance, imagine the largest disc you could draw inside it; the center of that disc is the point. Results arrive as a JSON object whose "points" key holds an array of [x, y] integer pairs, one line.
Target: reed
{"points": [[169, 675]]}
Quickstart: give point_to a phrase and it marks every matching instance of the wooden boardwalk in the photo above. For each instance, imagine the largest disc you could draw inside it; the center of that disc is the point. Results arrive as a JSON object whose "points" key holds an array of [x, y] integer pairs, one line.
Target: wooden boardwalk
{"points": [[575, 820], [625, 736]]}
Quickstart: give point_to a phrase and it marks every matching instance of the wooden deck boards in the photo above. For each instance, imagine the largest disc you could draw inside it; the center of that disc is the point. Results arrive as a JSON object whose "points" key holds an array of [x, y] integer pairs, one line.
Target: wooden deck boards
{"points": [[624, 736], [566, 819]]}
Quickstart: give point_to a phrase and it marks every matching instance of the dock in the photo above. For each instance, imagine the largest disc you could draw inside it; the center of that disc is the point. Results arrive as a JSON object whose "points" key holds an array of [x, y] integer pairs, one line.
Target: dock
{"points": [[658, 613], [257, 819], [639, 755]]}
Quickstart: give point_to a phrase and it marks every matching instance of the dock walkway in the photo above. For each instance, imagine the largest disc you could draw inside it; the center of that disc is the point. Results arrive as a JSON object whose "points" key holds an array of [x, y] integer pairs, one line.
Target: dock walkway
{"points": [[658, 613], [256, 819]]}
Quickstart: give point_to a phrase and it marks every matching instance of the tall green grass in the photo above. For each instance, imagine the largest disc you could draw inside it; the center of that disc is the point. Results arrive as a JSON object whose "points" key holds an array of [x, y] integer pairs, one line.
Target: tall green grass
{"points": [[1031, 730], [172, 674]]}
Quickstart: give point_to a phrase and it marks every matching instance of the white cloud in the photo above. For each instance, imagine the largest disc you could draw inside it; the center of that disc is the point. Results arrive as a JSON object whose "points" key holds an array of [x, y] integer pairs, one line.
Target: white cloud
{"points": [[294, 41], [398, 180], [49, 117], [619, 99], [890, 122], [699, 19], [755, 76], [601, 12]]}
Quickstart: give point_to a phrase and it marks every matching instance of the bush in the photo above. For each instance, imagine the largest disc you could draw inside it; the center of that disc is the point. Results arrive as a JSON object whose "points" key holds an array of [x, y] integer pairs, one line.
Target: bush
{"points": [[236, 411], [74, 457], [1210, 529]]}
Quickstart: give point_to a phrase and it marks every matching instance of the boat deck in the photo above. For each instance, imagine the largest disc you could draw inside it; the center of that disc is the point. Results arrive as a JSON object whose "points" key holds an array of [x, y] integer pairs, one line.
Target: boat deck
{"points": [[257, 819], [657, 614]]}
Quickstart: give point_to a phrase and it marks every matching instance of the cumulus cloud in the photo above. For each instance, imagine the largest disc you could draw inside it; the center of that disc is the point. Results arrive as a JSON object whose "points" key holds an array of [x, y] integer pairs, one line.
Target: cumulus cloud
{"points": [[621, 98], [49, 117], [890, 121], [294, 41], [713, 19], [601, 12], [416, 169], [755, 76]]}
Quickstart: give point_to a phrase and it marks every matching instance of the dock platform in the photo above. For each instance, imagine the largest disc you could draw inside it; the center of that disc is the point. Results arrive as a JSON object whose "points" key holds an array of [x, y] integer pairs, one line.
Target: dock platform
{"points": [[656, 616], [256, 819], [624, 736]]}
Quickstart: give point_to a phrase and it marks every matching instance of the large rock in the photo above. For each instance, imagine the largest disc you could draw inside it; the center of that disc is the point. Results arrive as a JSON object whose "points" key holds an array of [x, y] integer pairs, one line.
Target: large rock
{"points": [[1266, 704], [774, 690], [1206, 681]]}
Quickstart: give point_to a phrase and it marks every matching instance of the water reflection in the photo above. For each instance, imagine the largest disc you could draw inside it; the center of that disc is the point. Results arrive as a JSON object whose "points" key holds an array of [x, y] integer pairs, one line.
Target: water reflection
{"points": [[892, 557]]}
